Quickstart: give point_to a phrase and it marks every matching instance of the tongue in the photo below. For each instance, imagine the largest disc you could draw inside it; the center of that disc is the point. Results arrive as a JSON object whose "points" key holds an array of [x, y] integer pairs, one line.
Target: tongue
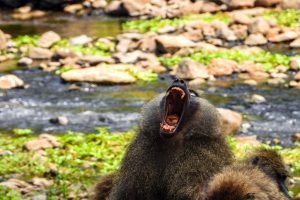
{"points": [[172, 120]]}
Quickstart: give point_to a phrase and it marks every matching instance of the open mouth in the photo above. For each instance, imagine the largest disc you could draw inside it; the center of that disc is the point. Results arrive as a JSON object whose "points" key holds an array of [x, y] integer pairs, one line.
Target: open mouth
{"points": [[174, 109]]}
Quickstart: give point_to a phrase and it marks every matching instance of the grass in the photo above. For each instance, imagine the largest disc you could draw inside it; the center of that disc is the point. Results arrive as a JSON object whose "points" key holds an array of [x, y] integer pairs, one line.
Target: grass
{"points": [[288, 17], [81, 158], [155, 24], [269, 60]]}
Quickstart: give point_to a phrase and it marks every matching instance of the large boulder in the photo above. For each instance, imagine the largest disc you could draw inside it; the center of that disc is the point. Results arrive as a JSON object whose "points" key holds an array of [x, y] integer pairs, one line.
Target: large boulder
{"points": [[110, 74], [231, 121], [171, 44], [39, 53], [189, 69], [222, 67]]}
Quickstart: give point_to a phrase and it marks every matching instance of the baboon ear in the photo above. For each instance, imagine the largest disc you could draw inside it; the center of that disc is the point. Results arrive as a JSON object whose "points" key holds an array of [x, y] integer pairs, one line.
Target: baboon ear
{"points": [[249, 196]]}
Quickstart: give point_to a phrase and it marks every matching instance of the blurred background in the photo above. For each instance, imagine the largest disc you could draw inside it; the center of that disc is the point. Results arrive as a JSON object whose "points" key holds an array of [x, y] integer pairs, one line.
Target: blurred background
{"points": [[74, 76]]}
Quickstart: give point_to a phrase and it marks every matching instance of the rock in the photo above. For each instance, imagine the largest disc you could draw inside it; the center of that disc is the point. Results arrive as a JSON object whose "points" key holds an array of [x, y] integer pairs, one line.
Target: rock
{"points": [[247, 140], [256, 39], [80, 40], [231, 121], [295, 43], [115, 8], [23, 9], [225, 33], [296, 137], [39, 53], [61, 120], [286, 36], [18, 185], [295, 63], [171, 44], [41, 182], [239, 3], [240, 31], [134, 7], [100, 74], [48, 39], [241, 18], [73, 8], [25, 61], [189, 69], [38, 14], [250, 82], [276, 81], [293, 4], [95, 59], [166, 29], [221, 67], [297, 76], [10, 81], [3, 40], [39, 197], [295, 84], [197, 82], [5, 152], [267, 3], [259, 25], [255, 98], [44, 141], [99, 4]]}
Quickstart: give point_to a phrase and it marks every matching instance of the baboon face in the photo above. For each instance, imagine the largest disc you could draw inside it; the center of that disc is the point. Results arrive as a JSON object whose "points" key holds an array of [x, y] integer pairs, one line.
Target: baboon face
{"points": [[271, 163], [174, 107], [180, 111]]}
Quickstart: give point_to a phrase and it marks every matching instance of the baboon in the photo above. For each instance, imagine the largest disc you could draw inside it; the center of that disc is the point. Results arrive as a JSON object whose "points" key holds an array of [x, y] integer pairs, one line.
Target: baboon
{"points": [[178, 148], [103, 187], [261, 177]]}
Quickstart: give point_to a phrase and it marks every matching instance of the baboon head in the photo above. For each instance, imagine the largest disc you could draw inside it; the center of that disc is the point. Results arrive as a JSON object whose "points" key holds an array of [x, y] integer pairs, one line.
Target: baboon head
{"points": [[180, 111], [272, 164]]}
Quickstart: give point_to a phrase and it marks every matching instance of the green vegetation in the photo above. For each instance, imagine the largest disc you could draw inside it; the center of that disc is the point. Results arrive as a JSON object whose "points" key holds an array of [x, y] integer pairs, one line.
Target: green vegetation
{"points": [[95, 48], [26, 40], [79, 160], [82, 158], [269, 60], [155, 24], [289, 17]]}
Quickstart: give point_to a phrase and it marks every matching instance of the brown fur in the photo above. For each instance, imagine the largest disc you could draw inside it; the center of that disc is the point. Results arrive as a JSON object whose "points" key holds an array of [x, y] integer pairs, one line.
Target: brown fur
{"points": [[103, 187], [257, 178], [175, 168]]}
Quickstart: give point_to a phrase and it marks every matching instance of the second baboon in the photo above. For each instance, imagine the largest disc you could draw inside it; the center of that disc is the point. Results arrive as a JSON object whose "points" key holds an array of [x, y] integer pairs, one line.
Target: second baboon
{"points": [[261, 177], [178, 148]]}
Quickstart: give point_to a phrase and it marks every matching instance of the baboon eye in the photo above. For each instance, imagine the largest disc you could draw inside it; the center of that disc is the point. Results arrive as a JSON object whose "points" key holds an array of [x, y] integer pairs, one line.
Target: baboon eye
{"points": [[193, 93]]}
